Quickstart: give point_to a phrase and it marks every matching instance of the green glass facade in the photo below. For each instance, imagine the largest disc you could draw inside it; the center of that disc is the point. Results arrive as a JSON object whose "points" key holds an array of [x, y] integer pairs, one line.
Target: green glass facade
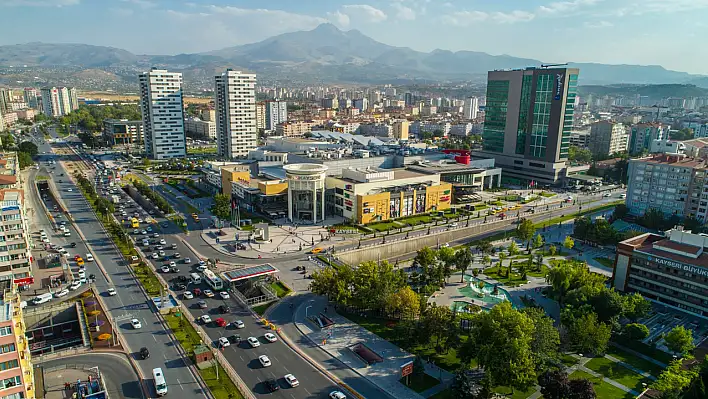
{"points": [[524, 105], [495, 115], [541, 115], [569, 110]]}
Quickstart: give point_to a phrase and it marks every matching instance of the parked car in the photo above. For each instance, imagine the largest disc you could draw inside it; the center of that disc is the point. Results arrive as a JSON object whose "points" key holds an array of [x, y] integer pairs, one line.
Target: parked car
{"points": [[224, 309], [220, 322], [187, 295], [205, 319], [272, 384], [223, 342], [202, 304], [144, 353]]}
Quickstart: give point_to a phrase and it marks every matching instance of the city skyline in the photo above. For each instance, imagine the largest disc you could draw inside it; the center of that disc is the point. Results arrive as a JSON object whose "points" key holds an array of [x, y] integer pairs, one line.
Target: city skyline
{"points": [[602, 31]]}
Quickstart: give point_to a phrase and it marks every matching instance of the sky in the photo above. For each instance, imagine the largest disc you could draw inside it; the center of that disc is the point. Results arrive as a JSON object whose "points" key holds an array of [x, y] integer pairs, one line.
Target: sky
{"points": [[646, 32]]}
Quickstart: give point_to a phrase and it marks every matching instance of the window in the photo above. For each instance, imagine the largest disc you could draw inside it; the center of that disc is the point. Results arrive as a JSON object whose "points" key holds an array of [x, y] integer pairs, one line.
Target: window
{"points": [[4, 331], [10, 382], [7, 348], [18, 395], [10, 364]]}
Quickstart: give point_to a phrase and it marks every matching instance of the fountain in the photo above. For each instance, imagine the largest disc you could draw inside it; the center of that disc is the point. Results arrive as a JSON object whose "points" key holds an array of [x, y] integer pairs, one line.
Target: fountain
{"points": [[481, 291]]}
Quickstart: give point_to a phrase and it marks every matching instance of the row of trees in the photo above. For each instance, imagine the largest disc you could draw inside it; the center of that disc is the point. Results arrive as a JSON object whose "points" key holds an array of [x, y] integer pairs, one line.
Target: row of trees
{"points": [[91, 118], [103, 206], [156, 198], [433, 267], [599, 231]]}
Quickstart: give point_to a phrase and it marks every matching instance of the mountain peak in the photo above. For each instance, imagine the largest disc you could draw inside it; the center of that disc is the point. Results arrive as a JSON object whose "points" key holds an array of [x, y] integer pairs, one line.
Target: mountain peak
{"points": [[327, 28]]}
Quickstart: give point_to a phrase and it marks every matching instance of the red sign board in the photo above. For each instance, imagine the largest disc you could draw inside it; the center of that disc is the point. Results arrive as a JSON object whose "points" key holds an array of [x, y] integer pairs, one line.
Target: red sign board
{"points": [[407, 369], [24, 281]]}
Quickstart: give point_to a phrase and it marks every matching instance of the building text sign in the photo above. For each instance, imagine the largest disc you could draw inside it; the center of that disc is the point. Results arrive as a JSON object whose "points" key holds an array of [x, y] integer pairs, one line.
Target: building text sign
{"points": [[701, 271]]}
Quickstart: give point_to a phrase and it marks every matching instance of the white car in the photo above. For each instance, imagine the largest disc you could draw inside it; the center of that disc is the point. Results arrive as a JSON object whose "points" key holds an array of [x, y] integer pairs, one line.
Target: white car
{"points": [[61, 293], [239, 324], [89, 258], [265, 362], [82, 273], [291, 380], [162, 253], [337, 395], [143, 232], [163, 242], [202, 263], [453, 225], [187, 260], [201, 268], [69, 190], [155, 255], [149, 229], [136, 324], [165, 269], [270, 337], [187, 295], [606, 195], [75, 285], [155, 235], [111, 291], [205, 318], [173, 264], [224, 342], [224, 295], [623, 196], [254, 342], [208, 293]]}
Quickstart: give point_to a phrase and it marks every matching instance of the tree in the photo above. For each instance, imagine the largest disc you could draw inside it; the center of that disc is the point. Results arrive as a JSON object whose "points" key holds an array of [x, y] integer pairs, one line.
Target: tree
{"points": [[579, 154], [446, 255], [487, 260], [485, 247], [652, 219], [679, 340], [620, 212], [581, 388], [104, 206], [462, 387], [502, 256], [636, 306], [418, 366], [425, 259], [8, 141], [500, 340], [525, 231], [28, 147], [636, 331], [463, 258], [586, 334], [552, 250], [545, 338], [675, 378], [513, 249], [404, 302], [568, 243], [537, 241], [222, 206], [24, 159], [554, 384], [333, 283]]}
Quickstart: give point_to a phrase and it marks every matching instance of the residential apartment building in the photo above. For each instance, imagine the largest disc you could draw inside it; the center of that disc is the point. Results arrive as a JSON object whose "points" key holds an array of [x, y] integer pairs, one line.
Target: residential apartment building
{"points": [[528, 121], [31, 96], [460, 129], [235, 93], [9, 118], [579, 138], [375, 129], [16, 369], [607, 138], [400, 130], [5, 99], [200, 129], [276, 112], [471, 108], [162, 108], [260, 115], [15, 257], [670, 269], [208, 115], [671, 183], [420, 127], [294, 129], [64, 100], [642, 134], [50, 102], [123, 132]]}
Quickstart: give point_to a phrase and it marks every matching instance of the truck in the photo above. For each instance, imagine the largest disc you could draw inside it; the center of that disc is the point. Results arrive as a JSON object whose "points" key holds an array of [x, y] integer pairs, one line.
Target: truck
{"points": [[115, 199]]}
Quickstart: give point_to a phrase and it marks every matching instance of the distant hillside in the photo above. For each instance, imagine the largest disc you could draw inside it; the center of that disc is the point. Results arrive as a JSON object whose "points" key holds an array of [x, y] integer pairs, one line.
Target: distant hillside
{"points": [[327, 54], [652, 91]]}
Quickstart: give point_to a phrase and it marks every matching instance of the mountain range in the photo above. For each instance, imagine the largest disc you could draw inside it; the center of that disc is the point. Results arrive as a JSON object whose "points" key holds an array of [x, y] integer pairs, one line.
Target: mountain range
{"points": [[329, 55]]}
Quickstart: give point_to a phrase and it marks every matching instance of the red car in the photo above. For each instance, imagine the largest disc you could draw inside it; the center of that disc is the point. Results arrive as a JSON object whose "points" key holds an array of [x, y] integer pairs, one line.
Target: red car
{"points": [[501, 215], [197, 292], [220, 322], [77, 257]]}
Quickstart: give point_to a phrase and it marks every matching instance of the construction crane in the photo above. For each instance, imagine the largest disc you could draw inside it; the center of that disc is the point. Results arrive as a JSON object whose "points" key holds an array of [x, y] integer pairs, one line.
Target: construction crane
{"points": [[544, 66]]}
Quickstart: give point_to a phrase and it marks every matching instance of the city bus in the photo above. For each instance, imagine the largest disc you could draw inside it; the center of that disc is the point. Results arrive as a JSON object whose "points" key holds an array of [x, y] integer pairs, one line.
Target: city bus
{"points": [[134, 223], [160, 383], [213, 280]]}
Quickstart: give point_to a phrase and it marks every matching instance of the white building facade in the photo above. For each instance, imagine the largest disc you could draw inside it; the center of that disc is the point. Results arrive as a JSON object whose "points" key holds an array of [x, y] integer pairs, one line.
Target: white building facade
{"points": [[162, 108], [236, 130], [276, 112]]}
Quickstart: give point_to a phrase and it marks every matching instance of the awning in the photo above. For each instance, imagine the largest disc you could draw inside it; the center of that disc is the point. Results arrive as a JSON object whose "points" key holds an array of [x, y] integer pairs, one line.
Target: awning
{"points": [[24, 281]]}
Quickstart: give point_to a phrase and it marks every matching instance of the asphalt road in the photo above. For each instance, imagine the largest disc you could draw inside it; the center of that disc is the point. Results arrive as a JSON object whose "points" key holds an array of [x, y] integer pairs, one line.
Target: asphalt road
{"points": [[129, 302], [120, 379]]}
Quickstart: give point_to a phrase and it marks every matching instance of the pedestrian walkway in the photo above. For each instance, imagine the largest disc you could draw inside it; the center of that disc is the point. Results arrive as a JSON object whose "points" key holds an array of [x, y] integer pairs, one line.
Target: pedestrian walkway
{"points": [[338, 340]]}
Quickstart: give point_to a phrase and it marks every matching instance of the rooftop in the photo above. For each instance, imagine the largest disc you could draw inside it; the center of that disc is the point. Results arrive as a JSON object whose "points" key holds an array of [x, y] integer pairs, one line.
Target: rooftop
{"points": [[673, 159], [249, 272]]}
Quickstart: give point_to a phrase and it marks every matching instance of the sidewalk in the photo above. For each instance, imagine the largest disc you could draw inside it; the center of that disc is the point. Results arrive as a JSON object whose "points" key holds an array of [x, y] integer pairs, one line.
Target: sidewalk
{"points": [[385, 374]]}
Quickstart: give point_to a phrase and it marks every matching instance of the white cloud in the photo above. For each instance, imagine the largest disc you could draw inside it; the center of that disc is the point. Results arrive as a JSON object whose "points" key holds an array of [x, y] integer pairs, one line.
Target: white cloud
{"points": [[142, 3], [403, 12], [565, 7], [512, 17], [371, 14], [465, 18], [39, 3], [657, 7], [339, 18], [598, 24], [120, 12]]}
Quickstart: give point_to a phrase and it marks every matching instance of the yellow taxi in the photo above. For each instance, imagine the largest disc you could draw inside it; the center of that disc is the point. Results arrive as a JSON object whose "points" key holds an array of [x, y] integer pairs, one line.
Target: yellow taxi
{"points": [[316, 250]]}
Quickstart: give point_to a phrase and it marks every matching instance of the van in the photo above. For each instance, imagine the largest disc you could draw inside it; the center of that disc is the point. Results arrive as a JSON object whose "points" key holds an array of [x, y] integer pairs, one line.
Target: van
{"points": [[44, 298], [195, 278], [160, 383]]}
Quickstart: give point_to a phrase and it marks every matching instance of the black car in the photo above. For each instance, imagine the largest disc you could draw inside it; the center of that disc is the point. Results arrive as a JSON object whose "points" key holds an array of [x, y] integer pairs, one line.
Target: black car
{"points": [[144, 353], [179, 287], [272, 385], [183, 279], [73, 245], [224, 309], [174, 269], [234, 339]]}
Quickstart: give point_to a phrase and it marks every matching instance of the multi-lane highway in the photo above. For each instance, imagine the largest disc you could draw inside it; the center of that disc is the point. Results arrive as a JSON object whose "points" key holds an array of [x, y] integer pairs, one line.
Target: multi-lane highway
{"points": [[129, 302]]}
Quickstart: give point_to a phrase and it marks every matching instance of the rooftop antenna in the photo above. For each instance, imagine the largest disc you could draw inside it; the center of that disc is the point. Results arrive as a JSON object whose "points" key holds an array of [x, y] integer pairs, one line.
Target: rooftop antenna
{"points": [[545, 66]]}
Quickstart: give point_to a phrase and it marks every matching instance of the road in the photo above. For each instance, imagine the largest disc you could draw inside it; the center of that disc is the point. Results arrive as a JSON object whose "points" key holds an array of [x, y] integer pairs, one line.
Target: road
{"points": [[120, 379], [129, 301]]}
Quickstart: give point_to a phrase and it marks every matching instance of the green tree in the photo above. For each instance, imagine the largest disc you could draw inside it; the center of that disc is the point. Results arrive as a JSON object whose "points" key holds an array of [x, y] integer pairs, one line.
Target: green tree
{"points": [[620, 212], [513, 249], [487, 260], [568, 243], [405, 302], [425, 259], [586, 334], [636, 331], [446, 256], [581, 388], [545, 338], [24, 159], [552, 250], [675, 378], [462, 387], [463, 258], [333, 283], [679, 340], [537, 241], [485, 247], [28, 147], [435, 321], [525, 231], [8, 141], [500, 340], [636, 306], [222, 206], [104, 206]]}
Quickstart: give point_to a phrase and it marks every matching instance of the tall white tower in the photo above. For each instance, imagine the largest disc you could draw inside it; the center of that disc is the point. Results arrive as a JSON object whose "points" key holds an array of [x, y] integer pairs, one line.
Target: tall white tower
{"points": [[163, 118], [236, 131], [471, 108]]}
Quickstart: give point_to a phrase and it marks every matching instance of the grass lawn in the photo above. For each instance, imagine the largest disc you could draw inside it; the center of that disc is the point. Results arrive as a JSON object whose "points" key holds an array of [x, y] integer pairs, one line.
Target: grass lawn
{"points": [[617, 372], [602, 389], [568, 360], [416, 220], [517, 394], [280, 289], [188, 338], [605, 262], [148, 279], [479, 207], [260, 309], [644, 349], [513, 281], [547, 195], [382, 226], [420, 383], [635, 361]]}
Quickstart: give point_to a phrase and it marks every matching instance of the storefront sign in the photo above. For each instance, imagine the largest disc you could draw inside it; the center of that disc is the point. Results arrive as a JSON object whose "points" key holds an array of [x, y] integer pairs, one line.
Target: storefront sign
{"points": [[559, 86], [701, 271]]}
